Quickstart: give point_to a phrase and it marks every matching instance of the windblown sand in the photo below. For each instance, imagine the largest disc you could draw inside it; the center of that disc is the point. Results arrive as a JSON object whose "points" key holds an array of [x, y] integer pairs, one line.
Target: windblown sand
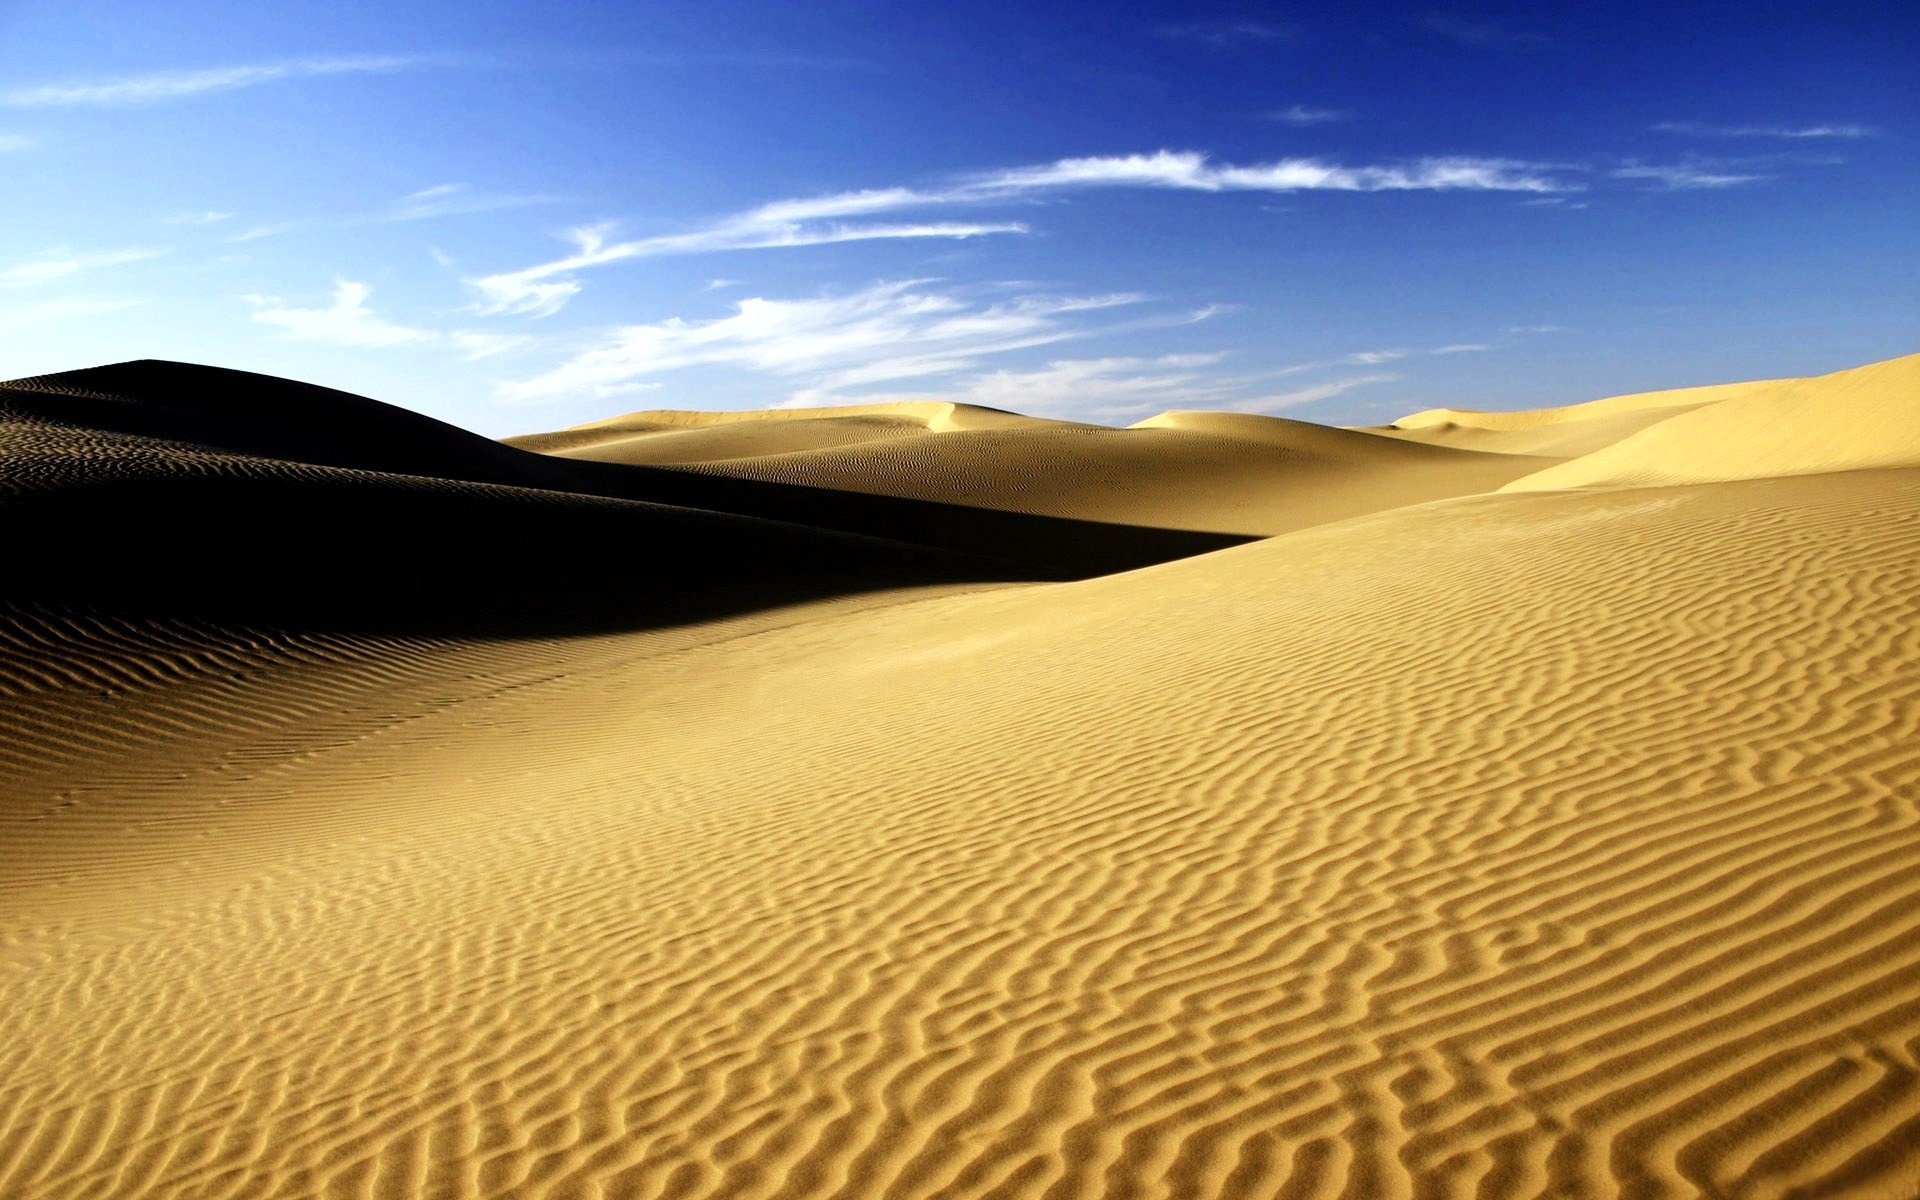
{"points": [[1531, 809]]}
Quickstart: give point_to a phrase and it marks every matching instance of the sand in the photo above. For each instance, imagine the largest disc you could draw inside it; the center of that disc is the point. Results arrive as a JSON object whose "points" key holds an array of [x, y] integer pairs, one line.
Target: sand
{"points": [[1536, 812]]}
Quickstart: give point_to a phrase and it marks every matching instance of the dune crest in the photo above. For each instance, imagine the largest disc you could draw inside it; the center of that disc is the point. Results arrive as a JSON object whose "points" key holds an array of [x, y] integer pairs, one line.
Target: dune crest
{"points": [[1859, 419]]}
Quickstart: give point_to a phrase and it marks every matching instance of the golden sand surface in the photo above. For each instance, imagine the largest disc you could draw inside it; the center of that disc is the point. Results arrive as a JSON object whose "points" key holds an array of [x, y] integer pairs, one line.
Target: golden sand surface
{"points": [[1535, 812]]}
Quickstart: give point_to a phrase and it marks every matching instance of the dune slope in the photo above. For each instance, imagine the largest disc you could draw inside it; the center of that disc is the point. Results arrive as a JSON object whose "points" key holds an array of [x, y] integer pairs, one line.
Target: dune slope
{"points": [[1544, 843], [1215, 472], [1851, 420]]}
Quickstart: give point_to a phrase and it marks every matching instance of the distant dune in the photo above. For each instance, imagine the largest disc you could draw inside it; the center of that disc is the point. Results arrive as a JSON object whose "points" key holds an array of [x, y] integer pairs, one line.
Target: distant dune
{"points": [[921, 800]]}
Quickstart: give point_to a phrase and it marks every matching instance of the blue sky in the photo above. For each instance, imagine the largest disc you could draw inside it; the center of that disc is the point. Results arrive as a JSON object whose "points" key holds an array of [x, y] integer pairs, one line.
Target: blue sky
{"points": [[517, 216]]}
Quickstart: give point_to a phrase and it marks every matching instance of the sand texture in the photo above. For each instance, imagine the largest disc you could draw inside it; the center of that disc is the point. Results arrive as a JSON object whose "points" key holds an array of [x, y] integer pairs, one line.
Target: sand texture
{"points": [[921, 801]]}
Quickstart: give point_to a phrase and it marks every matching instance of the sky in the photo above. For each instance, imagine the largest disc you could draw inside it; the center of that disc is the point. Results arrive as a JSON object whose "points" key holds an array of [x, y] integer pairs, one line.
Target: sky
{"points": [[518, 216]]}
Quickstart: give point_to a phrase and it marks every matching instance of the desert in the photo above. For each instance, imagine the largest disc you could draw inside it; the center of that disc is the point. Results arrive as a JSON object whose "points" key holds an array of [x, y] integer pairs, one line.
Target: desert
{"points": [[922, 799]]}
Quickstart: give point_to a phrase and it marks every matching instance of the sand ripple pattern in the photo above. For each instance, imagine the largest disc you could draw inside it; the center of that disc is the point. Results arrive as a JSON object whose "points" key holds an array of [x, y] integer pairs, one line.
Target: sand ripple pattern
{"points": [[1557, 844]]}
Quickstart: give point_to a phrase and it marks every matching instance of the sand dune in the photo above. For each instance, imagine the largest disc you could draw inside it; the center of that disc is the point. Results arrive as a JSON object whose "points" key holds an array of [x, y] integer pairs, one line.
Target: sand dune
{"points": [[1554, 839], [1219, 472], [664, 436], [1847, 421]]}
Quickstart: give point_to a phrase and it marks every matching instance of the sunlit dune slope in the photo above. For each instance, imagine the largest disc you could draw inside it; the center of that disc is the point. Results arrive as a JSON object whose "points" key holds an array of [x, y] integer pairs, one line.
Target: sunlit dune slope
{"points": [[1538, 843], [1565, 431], [679, 436], [1846, 421], [1203, 471]]}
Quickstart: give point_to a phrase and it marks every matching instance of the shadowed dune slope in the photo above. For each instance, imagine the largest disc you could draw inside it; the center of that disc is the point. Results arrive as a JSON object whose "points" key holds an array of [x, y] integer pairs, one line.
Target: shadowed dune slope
{"points": [[1221, 472], [167, 416], [144, 525]]}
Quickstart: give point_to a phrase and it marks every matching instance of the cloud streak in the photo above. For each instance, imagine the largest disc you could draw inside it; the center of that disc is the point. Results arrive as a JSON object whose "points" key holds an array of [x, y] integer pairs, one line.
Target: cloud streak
{"points": [[1676, 177], [63, 264], [545, 288], [1464, 31], [132, 91], [880, 334], [1300, 116], [1796, 132], [64, 308], [455, 199], [346, 322], [1318, 391]]}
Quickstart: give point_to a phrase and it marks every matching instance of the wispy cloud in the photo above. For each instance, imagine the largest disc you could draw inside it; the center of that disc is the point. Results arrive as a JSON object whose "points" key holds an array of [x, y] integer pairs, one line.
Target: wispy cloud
{"points": [[64, 264], [127, 91], [1125, 386], [1700, 129], [1228, 35], [1374, 358], [62, 309], [543, 289], [1466, 31], [1685, 176], [475, 345], [456, 199], [206, 217], [1301, 116], [880, 334], [1371, 358], [14, 141], [1307, 395], [441, 200], [1194, 172], [346, 322]]}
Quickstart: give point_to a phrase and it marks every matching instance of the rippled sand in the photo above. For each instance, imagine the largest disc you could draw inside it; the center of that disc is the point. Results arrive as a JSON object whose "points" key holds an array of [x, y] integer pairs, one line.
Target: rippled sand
{"points": [[922, 801]]}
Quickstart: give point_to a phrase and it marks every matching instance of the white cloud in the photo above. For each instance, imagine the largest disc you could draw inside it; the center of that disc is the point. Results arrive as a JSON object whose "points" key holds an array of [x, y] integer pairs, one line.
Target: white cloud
{"points": [[880, 334], [1300, 115], [1461, 348], [1223, 35], [156, 87], [1107, 387], [545, 288], [1684, 177], [14, 141], [1374, 357], [1307, 395], [1536, 328], [62, 264], [1468, 32], [1699, 129], [62, 309], [260, 231], [347, 322], [1192, 171], [208, 217], [485, 345], [455, 199]]}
